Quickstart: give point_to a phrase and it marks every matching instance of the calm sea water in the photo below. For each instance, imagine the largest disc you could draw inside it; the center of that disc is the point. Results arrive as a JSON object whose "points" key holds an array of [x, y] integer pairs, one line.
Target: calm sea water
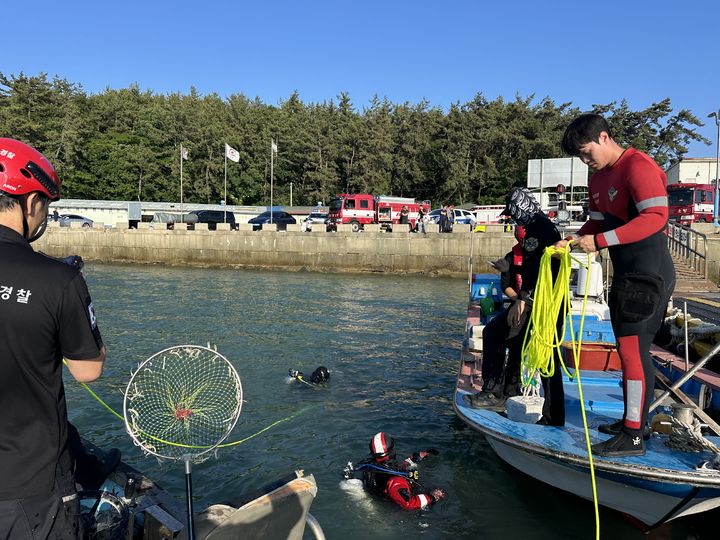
{"points": [[391, 344]]}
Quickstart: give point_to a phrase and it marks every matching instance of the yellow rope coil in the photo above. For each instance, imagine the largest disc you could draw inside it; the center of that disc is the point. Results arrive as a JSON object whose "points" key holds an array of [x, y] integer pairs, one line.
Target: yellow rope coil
{"points": [[552, 299]]}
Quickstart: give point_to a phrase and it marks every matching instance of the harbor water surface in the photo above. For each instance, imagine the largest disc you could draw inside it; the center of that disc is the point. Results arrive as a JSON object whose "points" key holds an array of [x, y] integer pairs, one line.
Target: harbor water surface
{"points": [[392, 346]]}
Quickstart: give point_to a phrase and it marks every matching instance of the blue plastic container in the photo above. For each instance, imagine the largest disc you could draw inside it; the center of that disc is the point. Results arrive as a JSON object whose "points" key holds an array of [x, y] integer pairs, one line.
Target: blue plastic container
{"points": [[482, 287], [594, 330]]}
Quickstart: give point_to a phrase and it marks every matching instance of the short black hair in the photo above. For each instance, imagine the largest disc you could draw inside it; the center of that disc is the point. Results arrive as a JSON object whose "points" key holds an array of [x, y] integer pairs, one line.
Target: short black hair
{"points": [[7, 202], [584, 129], [10, 201]]}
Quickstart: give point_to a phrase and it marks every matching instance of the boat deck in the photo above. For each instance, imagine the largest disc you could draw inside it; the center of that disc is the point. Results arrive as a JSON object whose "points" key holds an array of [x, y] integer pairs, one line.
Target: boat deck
{"points": [[603, 402]]}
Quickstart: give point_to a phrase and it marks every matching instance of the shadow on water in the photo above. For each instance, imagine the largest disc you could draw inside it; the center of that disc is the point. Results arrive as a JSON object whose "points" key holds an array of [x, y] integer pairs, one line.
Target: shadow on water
{"points": [[391, 344]]}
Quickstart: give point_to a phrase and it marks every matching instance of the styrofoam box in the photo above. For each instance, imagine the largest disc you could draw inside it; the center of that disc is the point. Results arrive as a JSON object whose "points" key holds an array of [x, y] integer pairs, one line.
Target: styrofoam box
{"points": [[525, 409]]}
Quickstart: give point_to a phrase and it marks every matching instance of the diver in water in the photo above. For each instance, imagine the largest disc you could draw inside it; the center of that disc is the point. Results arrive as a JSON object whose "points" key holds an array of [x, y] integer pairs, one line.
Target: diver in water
{"points": [[320, 376], [383, 476]]}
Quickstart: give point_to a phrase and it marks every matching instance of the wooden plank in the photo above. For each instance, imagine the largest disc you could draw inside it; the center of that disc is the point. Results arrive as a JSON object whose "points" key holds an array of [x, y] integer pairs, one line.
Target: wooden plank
{"points": [[702, 415]]}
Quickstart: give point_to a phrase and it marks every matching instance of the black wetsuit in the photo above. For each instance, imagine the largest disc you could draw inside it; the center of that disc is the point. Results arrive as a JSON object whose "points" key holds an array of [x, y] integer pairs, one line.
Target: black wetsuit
{"points": [[540, 233]]}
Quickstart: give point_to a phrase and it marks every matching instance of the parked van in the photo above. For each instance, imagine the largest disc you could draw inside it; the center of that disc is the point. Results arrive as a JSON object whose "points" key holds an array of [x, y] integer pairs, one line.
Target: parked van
{"points": [[213, 217]]}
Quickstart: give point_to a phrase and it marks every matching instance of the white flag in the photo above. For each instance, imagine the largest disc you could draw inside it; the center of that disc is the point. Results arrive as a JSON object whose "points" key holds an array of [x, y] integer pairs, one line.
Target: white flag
{"points": [[183, 152], [273, 146], [231, 153]]}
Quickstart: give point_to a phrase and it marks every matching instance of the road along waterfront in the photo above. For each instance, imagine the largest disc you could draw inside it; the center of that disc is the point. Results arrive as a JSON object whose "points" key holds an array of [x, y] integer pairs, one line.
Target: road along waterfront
{"points": [[392, 345]]}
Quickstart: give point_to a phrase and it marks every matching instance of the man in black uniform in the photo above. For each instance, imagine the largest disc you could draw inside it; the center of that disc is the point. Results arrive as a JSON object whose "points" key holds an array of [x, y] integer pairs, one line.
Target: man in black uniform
{"points": [[511, 323], [45, 314]]}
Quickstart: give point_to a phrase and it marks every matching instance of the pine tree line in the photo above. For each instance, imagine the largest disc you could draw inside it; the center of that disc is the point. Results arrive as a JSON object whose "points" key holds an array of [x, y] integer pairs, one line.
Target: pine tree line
{"points": [[124, 144]]}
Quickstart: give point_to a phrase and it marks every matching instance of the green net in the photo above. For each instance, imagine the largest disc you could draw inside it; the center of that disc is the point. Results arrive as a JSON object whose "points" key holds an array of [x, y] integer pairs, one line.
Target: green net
{"points": [[183, 401]]}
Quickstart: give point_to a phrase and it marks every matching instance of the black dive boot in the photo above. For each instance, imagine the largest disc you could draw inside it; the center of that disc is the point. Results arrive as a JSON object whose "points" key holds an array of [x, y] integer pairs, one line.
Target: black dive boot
{"points": [[616, 427], [490, 398], [621, 445]]}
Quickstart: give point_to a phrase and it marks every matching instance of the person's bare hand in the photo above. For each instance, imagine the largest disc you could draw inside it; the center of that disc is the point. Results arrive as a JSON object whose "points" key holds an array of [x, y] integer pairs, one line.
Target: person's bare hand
{"points": [[515, 312], [586, 243]]}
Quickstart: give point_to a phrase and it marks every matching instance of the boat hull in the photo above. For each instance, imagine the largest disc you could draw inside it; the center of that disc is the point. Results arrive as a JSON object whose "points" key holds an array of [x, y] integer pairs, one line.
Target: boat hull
{"points": [[649, 502]]}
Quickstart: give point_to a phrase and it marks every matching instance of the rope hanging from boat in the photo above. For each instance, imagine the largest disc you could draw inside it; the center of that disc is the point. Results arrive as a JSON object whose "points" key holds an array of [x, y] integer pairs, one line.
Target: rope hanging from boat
{"points": [[538, 352]]}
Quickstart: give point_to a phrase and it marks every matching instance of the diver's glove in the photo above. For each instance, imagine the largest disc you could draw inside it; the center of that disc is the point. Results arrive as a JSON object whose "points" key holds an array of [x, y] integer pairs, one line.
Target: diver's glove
{"points": [[438, 494], [417, 456], [73, 261], [501, 265]]}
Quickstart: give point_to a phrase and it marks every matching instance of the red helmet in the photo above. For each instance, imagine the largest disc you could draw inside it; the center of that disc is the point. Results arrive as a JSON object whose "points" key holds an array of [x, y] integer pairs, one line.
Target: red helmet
{"points": [[519, 233], [382, 446], [25, 170]]}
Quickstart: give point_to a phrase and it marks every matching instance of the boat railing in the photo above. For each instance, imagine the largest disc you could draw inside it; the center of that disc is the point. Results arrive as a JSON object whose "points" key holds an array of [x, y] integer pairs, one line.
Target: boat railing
{"points": [[690, 246]]}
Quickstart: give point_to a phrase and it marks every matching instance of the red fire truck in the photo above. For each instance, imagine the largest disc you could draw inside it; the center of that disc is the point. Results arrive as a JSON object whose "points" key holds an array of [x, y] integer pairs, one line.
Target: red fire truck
{"points": [[689, 203], [362, 209]]}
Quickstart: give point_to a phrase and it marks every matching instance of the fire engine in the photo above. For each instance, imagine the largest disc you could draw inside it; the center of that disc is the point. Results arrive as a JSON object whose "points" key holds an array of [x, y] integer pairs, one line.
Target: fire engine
{"points": [[361, 209], [689, 203]]}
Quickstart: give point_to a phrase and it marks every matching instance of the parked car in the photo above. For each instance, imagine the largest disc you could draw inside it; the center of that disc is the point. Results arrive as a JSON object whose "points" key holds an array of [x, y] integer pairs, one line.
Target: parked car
{"points": [[66, 219], [282, 219], [315, 218], [211, 217], [464, 217]]}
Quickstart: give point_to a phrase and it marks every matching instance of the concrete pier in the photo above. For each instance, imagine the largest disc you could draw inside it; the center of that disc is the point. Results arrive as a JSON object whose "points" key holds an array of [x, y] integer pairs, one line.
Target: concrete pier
{"points": [[342, 251], [396, 252]]}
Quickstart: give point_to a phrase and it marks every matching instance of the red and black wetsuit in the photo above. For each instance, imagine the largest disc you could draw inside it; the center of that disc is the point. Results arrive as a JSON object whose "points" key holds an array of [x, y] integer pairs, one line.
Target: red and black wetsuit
{"points": [[395, 487], [628, 211]]}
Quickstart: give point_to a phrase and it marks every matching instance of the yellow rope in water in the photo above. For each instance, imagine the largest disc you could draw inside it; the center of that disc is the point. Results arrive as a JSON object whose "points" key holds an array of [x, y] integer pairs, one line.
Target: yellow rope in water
{"points": [[234, 443], [538, 351]]}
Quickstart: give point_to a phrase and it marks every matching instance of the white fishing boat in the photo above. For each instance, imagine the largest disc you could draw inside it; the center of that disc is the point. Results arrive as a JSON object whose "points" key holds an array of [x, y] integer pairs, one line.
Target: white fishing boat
{"points": [[662, 485]]}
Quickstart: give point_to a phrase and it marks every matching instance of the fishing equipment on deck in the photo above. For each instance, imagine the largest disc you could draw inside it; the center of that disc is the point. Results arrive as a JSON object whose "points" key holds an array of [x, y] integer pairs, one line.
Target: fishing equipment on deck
{"points": [[180, 404]]}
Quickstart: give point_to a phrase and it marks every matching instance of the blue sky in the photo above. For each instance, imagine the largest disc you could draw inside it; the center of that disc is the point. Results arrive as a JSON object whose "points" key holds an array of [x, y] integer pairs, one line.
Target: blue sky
{"points": [[443, 51]]}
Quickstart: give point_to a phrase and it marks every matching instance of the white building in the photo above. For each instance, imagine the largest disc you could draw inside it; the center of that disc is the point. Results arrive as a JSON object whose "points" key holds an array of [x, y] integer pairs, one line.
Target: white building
{"points": [[693, 171]]}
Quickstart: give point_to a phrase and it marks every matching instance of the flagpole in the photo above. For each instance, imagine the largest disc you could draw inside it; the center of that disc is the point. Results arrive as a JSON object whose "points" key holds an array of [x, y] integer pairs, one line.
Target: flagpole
{"points": [[272, 163], [225, 195], [181, 183]]}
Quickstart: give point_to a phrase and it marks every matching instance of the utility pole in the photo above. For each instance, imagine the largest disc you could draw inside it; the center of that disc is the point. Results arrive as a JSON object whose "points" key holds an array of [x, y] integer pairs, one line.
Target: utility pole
{"points": [[716, 115]]}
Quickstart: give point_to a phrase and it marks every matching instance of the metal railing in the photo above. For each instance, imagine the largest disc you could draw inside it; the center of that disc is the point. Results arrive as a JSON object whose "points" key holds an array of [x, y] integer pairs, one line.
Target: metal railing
{"points": [[689, 246]]}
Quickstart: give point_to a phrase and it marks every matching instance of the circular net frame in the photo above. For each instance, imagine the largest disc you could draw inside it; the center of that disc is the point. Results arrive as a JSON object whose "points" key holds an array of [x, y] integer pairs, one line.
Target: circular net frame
{"points": [[182, 401]]}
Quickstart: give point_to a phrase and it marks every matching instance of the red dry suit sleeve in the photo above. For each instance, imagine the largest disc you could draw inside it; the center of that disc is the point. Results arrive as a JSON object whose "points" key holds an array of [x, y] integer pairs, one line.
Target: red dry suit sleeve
{"points": [[398, 489], [594, 224], [646, 184]]}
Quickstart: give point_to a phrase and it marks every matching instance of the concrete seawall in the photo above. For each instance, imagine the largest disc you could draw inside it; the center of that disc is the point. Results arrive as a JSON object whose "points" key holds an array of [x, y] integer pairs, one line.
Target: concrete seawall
{"points": [[397, 252]]}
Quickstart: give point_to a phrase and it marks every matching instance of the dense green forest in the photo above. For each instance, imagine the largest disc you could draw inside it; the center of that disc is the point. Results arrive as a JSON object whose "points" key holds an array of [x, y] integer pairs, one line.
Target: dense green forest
{"points": [[125, 144]]}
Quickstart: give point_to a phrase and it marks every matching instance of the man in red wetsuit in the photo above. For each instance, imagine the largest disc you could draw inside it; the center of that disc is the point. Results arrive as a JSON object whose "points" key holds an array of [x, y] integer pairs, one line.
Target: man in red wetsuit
{"points": [[628, 210], [383, 476]]}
